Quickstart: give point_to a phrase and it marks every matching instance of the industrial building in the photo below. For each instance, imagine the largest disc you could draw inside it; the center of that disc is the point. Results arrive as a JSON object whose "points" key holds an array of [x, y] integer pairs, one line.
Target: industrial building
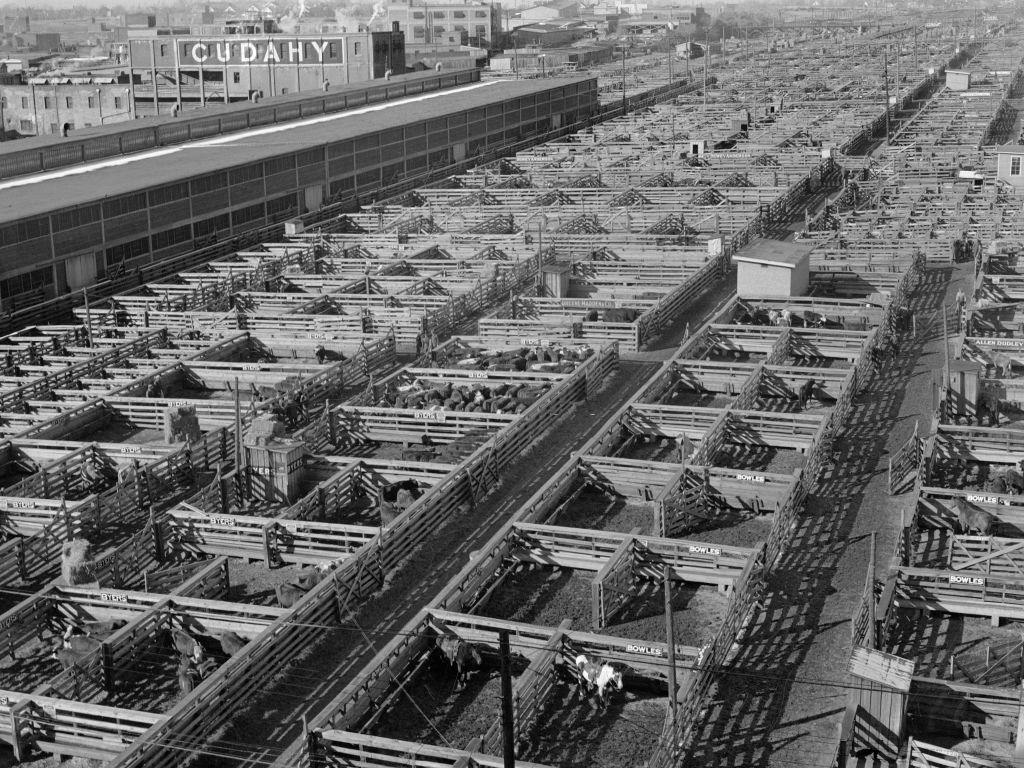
{"points": [[65, 229], [45, 105], [474, 23], [168, 74]]}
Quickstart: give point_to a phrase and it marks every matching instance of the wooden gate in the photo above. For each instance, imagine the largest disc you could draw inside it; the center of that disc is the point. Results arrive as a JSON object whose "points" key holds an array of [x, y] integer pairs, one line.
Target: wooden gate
{"points": [[905, 463], [613, 586]]}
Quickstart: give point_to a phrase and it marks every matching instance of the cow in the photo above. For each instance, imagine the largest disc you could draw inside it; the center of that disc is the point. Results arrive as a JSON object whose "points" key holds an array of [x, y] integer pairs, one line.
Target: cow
{"points": [[461, 656], [995, 485], [96, 479], [972, 519], [807, 392], [620, 315], [69, 658], [187, 645], [231, 643], [595, 675], [289, 594], [814, 319], [100, 629], [79, 644], [1014, 480], [310, 577], [189, 670], [321, 354], [395, 498]]}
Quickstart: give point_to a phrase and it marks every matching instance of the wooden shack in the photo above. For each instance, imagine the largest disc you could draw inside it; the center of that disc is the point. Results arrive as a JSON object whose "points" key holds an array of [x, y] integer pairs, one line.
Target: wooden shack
{"points": [[773, 268]]}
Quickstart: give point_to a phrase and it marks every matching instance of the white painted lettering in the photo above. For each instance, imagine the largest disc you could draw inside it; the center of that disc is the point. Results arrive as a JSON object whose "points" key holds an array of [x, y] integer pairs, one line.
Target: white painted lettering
{"points": [[645, 649], [319, 48], [223, 52], [973, 581], [295, 52], [705, 550], [200, 57], [248, 52], [271, 53]]}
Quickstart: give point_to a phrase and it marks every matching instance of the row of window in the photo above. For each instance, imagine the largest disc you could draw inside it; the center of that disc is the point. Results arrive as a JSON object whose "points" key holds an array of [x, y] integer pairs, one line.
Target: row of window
{"points": [[481, 31], [13, 286], [67, 102], [455, 14]]}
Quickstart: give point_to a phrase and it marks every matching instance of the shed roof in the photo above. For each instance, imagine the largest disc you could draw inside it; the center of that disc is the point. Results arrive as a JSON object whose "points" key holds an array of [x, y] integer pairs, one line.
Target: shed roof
{"points": [[774, 252], [27, 196], [1015, 149]]}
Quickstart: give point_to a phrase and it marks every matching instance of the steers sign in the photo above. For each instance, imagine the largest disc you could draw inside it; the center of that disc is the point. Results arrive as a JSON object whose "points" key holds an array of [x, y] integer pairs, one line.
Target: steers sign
{"points": [[267, 51]]}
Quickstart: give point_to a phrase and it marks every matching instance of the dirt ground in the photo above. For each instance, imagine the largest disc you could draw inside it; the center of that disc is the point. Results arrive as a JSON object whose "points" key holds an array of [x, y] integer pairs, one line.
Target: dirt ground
{"points": [[603, 512], [32, 666], [572, 733], [665, 450], [455, 715], [127, 433], [692, 399], [253, 582], [734, 357], [735, 531], [938, 641], [790, 405], [764, 458], [546, 596], [817, 362]]}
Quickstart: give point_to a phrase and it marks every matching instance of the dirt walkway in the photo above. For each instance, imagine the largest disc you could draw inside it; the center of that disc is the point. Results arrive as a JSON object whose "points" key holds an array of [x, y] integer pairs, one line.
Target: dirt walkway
{"points": [[781, 699], [273, 722]]}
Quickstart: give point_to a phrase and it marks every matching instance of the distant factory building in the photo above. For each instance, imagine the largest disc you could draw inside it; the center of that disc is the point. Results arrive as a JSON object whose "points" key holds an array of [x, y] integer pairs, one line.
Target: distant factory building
{"points": [[473, 23]]}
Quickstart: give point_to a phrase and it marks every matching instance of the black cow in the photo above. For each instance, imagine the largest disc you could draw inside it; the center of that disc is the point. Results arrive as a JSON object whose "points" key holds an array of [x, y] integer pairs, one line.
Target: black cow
{"points": [[461, 656], [620, 315]]}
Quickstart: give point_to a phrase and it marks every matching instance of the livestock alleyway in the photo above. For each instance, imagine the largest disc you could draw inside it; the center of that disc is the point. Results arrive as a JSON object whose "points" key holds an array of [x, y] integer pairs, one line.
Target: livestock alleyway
{"points": [[781, 699], [259, 735]]}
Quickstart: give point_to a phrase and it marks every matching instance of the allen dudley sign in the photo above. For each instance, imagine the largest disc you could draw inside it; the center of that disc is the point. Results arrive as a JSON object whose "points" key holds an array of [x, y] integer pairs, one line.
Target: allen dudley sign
{"points": [[286, 51]]}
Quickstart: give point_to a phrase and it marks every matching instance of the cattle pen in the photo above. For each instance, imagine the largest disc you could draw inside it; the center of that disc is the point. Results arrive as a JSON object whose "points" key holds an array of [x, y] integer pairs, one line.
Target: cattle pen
{"points": [[288, 506]]}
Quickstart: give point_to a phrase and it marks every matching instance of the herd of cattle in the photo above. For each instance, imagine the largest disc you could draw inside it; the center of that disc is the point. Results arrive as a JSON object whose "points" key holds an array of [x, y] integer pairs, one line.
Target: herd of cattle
{"points": [[498, 398], [198, 655], [548, 358]]}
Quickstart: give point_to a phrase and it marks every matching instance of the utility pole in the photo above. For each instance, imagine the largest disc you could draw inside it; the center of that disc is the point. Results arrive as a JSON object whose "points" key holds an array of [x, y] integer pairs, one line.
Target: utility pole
{"points": [[507, 732], [871, 593], [623, 79], [899, 47], [88, 316], [707, 55], [670, 638], [885, 75]]}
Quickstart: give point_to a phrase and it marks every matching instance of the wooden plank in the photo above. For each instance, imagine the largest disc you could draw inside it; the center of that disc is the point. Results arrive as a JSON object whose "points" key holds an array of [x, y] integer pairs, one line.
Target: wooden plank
{"points": [[885, 668]]}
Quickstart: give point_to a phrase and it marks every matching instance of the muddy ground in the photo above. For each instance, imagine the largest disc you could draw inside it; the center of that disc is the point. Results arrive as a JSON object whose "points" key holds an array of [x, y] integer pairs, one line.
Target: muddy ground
{"points": [[546, 596], [434, 710], [764, 458], [572, 732]]}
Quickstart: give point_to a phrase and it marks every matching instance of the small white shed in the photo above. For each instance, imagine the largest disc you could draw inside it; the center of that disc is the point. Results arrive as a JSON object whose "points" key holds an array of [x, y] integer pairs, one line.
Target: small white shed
{"points": [[958, 80], [1010, 164], [773, 268]]}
